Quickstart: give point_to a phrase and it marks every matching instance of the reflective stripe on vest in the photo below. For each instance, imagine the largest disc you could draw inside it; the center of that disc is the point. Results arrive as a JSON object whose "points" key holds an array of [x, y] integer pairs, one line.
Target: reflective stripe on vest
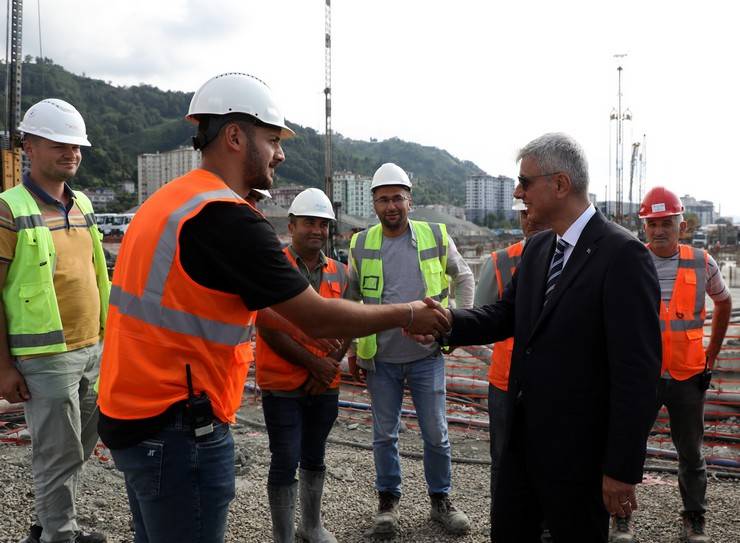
{"points": [[276, 373], [365, 254], [32, 311], [162, 320], [682, 319], [148, 307], [505, 262]]}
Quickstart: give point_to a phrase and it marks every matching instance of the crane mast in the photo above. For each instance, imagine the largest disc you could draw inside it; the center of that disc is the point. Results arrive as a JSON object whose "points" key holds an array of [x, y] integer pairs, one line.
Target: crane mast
{"points": [[328, 167], [11, 151]]}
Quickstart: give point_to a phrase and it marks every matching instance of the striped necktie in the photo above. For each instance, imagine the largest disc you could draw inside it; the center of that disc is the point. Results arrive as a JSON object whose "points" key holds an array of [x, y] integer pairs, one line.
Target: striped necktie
{"points": [[556, 268]]}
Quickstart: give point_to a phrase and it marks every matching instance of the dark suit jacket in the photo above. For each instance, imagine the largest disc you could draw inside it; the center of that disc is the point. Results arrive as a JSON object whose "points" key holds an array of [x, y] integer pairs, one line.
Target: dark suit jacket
{"points": [[585, 367]]}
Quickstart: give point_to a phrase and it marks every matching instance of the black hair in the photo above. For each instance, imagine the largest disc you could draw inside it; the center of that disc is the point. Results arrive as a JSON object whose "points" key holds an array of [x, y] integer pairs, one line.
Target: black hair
{"points": [[209, 127]]}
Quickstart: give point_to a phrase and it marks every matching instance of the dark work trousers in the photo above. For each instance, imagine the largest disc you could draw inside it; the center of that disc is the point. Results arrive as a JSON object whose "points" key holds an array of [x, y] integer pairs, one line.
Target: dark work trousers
{"points": [[685, 403], [574, 511], [297, 427], [497, 410]]}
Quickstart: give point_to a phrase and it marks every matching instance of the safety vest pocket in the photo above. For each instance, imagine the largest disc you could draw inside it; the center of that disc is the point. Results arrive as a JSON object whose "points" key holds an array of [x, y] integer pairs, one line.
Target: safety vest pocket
{"points": [[36, 308], [695, 334], [433, 274]]}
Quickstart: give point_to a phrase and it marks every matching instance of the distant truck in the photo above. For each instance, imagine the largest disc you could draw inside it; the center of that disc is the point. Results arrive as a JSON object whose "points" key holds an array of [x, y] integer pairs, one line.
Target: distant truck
{"points": [[699, 239], [113, 224]]}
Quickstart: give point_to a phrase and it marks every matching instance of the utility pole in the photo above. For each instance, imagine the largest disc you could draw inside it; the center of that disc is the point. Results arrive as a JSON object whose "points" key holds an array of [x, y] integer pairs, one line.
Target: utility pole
{"points": [[328, 166], [11, 151], [620, 117]]}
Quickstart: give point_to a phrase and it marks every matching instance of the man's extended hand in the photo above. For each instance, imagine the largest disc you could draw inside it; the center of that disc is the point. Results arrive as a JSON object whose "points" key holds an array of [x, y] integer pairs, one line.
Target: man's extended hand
{"points": [[324, 370], [619, 498], [429, 318], [430, 336], [12, 385]]}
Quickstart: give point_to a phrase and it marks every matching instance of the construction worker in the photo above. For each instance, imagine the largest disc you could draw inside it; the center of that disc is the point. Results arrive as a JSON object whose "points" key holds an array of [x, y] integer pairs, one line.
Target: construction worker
{"points": [[300, 384], [255, 196], [685, 274], [196, 264], [495, 274], [54, 301], [401, 260]]}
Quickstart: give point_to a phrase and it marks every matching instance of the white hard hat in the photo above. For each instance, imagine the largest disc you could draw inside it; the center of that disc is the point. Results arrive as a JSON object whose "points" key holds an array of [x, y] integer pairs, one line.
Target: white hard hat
{"points": [[264, 192], [390, 174], [235, 92], [518, 205], [55, 120], [312, 203]]}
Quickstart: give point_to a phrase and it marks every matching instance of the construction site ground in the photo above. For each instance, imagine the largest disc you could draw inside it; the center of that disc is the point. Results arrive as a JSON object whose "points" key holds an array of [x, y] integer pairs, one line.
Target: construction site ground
{"points": [[349, 500]]}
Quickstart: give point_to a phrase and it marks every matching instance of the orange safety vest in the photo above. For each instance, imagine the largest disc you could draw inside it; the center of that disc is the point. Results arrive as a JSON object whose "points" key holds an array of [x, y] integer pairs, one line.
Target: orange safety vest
{"points": [[682, 320], [505, 262], [273, 371], [160, 319]]}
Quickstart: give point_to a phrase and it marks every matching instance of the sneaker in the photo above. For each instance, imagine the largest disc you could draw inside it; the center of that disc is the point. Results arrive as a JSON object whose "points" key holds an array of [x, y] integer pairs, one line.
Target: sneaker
{"points": [[621, 530], [34, 536], [386, 522], [693, 527], [454, 521]]}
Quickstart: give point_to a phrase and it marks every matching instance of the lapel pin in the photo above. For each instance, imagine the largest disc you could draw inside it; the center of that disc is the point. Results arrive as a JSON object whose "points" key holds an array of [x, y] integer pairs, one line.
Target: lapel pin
{"points": [[588, 251]]}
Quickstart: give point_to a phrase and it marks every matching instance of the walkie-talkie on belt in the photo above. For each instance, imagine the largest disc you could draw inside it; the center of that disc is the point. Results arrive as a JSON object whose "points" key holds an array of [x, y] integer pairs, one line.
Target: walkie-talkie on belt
{"points": [[199, 409]]}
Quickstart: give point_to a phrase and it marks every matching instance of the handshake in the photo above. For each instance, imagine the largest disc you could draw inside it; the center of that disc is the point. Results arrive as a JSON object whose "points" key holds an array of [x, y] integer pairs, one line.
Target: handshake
{"points": [[428, 321]]}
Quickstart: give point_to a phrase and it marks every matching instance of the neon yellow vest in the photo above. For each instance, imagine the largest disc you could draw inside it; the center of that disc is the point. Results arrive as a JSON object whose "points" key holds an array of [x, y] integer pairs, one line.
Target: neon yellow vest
{"points": [[31, 308], [431, 244]]}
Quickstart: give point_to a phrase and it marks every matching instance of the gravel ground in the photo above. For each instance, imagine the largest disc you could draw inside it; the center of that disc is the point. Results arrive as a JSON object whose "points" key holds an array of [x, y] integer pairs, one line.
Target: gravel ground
{"points": [[349, 499]]}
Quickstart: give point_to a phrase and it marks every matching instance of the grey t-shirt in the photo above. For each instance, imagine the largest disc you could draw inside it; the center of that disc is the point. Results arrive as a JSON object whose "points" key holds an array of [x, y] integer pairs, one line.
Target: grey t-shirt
{"points": [[402, 282], [667, 269]]}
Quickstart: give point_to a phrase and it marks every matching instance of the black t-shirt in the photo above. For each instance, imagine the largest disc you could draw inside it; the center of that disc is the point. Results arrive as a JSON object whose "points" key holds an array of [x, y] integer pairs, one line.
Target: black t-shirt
{"points": [[226, 247]]}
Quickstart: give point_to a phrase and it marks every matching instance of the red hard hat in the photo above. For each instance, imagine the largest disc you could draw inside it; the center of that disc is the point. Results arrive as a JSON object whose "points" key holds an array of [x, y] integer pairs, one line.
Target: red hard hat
{"points": [[660, 202]]}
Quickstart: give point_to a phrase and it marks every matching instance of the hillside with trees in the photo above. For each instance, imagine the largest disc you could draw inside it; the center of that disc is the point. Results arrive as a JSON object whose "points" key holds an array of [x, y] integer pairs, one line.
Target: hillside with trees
{"points": [[123, 122]]}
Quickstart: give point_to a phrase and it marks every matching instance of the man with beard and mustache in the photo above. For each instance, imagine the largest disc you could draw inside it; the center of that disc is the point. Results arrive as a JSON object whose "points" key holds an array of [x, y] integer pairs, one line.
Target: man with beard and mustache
{"points": [[54, 300], [300, 383], [400, 260], [196, 264]]}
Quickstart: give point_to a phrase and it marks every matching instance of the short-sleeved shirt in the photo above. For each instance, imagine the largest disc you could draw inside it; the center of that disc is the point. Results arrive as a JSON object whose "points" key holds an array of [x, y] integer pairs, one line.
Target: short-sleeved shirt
{"points": [[74, 273], [230, 248], [667, 269]]}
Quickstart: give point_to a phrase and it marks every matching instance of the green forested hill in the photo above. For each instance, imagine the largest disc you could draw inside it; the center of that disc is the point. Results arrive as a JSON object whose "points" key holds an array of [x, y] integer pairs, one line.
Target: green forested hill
{"points": [[123, 122]]}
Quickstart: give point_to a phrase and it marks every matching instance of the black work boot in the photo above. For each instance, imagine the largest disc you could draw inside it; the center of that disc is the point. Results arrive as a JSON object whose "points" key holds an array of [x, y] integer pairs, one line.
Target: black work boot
{"points": [[693, 527]]}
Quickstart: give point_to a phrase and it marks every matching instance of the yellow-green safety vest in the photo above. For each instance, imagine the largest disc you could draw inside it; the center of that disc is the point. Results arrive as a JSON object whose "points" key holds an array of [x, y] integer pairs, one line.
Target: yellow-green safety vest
{"points": [[431, 244], [31, 309]]}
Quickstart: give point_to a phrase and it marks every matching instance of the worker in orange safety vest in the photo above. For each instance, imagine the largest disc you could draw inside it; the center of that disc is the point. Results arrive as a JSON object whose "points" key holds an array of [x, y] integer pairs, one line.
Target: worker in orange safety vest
{"points": [[196, 264], [495, 275], [300, 382], [686, 274]]}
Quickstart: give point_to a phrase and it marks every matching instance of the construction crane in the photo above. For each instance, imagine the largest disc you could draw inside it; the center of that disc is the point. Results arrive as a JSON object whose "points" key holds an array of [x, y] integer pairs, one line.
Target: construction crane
{"points": [[634, 166], [328, 165], [10, 154], [643, 169]]}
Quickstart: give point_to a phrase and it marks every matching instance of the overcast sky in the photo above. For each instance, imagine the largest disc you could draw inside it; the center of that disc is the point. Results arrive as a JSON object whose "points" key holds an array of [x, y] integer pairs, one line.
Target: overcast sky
{"points": [[477, 78]]}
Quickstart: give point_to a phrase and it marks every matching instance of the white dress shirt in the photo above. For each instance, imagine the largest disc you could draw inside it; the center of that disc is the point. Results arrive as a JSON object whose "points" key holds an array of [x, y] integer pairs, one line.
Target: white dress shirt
{"points": [[574, 231]]}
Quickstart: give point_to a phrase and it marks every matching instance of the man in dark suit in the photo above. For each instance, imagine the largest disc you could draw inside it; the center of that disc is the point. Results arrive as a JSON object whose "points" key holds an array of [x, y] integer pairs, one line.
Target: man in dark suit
{"points": [[583, 309]]}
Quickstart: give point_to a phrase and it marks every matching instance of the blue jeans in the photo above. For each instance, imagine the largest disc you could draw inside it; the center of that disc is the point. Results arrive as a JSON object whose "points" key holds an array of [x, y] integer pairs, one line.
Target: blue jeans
{"points": [[298, 428], [178, 488], [426, 380]]}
